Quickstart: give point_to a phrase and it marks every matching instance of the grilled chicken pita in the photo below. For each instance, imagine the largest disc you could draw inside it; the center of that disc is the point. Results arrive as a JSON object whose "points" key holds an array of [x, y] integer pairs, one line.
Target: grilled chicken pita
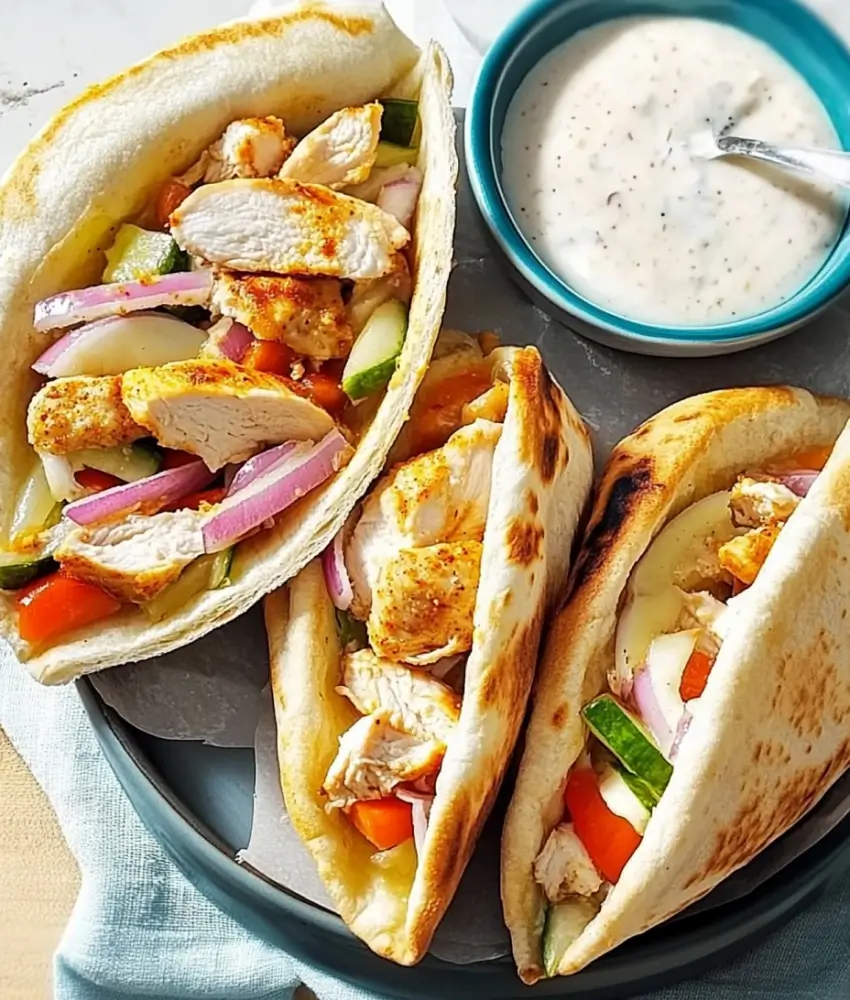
{"points": [[197, 436], [393, 741], [667, 745]]}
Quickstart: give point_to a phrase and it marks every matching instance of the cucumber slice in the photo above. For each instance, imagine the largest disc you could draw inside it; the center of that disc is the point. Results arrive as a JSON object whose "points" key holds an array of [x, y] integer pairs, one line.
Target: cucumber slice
{"points": [[564, 923], [130, 462], [620, 731], [373, 357], [138, 253], [221, 568], [620, 798], [205, 573], [398, 122], [17, 571], [390, 155], [35, 508], [352, 632], [640, 791]]}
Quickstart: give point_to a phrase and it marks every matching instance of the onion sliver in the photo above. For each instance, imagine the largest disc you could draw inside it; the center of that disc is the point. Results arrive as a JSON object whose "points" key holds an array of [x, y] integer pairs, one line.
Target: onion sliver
{"points": [[399, 197], [336, 575], [681, 730], [257, 465], [799, 482], [420, 806], [183, 288], [650, 710], [303, 469], [235, 342], [59, 473], [147, 494], [116, 344]]}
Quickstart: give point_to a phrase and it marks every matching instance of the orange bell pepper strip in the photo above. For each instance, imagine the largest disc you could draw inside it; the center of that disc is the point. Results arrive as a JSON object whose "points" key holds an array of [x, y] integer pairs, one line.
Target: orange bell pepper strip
{"points": [[385, 823], [171, 195], [270, 356], [695, 675], [609, 839], [323, 388], [55, 604], [94, 479]]}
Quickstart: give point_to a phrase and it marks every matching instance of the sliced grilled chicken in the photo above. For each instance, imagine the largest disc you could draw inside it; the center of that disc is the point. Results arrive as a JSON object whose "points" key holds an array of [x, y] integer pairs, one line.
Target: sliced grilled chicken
{"points": [[417, 703], [307, 314], [218, 411], [285, 227], [134, 559], [340, 151], [249, 147], [373, 758], [564, 868], [69, 414]]}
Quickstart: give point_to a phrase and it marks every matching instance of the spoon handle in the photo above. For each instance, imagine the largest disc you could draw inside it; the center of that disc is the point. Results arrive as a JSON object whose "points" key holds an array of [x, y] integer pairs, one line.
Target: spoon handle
{"points": [[824, 164]]}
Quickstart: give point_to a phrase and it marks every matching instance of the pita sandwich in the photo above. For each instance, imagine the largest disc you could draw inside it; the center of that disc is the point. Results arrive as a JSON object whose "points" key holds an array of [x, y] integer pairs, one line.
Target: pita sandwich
{"points": [[397, 716], [694, 694], [225, 268]]}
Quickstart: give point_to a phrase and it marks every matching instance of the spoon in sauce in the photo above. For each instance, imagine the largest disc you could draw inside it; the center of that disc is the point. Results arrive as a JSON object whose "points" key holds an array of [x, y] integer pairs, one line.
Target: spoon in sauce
{"points": [[820, 164]]}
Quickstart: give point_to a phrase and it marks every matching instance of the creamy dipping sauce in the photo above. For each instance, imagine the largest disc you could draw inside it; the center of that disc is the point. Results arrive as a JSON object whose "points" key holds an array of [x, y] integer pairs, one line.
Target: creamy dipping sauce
{"points": [[603, 176]]}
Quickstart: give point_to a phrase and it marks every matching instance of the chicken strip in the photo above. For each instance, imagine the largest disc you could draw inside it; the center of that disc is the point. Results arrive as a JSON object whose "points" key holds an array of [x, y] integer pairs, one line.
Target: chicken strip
{"points": [[249, 147], [418, 704], [218, 411], [340, 151], [136, 558], [307, 314], [69, 414], [490, 405], [744, 556], [373, 758], [287, 228], [564, 868], [756, 502], [441, 496], [423, 603]]}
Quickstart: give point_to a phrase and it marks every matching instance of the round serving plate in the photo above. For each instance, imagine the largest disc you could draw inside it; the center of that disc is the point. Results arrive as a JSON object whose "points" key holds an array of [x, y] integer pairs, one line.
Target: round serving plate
{"points": [[197, 800]]}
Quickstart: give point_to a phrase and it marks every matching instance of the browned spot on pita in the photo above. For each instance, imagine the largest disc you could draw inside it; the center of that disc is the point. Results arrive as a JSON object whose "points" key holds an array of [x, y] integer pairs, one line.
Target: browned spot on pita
{"points": [[559, 716], [532, 502], [549, 455], [525, 541]]}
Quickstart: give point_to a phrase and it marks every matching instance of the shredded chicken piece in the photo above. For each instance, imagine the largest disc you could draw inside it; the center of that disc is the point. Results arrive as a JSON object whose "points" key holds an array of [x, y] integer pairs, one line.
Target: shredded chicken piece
{"points": [[339, 152], [564, 868], [69, 414], [756, 503], [490, 405], [703, 611], [373, 758], [744, 556], [417, 703], [248, 147]]}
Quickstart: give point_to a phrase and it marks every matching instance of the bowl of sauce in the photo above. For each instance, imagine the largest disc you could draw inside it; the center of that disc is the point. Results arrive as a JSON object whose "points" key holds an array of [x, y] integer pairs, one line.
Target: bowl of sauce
{"points": [[585, 148]]}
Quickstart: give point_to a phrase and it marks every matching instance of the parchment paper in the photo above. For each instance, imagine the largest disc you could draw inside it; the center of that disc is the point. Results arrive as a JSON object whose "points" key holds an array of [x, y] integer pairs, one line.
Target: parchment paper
{"points": [[211, 690]]}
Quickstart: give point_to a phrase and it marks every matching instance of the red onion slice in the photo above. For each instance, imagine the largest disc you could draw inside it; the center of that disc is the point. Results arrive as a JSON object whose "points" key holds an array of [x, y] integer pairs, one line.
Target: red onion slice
{"points": [[229, 339], [799, 482], [420, 805], [116, 344], [183, 288], [646, 700], [259, 464], [681, 730], [336, 574], [302, 470], [152, 492], [399, 197]]}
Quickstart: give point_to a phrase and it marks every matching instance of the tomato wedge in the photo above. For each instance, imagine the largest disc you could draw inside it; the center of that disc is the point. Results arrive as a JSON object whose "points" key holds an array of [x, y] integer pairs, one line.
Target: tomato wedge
{"points": [[55, 604], [385, 823], [192, 501], [436, 414], [323, 388], [609, 839], [94, 479], [170, 196], [695, 675]]}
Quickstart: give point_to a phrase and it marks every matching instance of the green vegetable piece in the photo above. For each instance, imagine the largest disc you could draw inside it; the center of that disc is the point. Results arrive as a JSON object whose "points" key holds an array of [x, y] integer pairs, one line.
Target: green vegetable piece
{"points": [[139, 253], [18, 571], [128, 462], [221, 568], [352, 632], [375, 353], [564, 923], [641, 792], [204, 573], [399, 120], [391, 155], [620, 731]]}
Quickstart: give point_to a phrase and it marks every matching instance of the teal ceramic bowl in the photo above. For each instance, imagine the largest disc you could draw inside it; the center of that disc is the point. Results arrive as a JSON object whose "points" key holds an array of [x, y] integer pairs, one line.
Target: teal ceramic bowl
{"points": [[792, 30]]}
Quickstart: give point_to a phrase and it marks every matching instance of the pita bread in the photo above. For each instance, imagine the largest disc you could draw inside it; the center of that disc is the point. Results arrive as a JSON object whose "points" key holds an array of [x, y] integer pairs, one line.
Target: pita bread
{"points": [[543, 469], [772, 731], [62, 198]]}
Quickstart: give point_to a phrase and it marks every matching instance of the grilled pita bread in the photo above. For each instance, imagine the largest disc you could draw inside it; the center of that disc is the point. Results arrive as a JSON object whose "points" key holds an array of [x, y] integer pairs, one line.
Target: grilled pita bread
{"points": [[543, 468], [771, 734]]}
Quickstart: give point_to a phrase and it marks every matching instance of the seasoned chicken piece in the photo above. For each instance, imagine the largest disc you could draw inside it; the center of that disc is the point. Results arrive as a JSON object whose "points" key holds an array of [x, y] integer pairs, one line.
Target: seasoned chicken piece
{"points": [[756, 503], [249, 147], [423, 602], [563, 868], [490, 405], [69, 414], [133, 559], [744, 556], [373, 292], [218, 411], [287, 228], [703, 611], [307, 314], [417, 703], [441, 496], [340, 151], [373, 758]]}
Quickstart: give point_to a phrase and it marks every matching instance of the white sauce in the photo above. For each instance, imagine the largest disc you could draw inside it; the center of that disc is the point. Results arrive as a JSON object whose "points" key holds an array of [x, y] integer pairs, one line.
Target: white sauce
{"points": [[602, 172]]}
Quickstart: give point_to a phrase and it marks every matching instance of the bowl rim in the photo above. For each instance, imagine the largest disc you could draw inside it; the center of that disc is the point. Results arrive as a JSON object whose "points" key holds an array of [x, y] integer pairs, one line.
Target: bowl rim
{"points": [[481, 138]]}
